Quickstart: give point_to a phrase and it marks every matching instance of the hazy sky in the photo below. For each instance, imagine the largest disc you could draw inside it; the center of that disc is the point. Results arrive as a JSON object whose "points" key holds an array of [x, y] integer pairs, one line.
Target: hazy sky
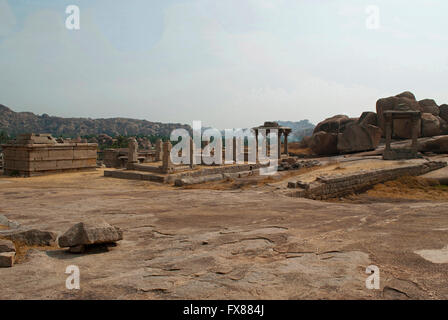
{"points": [[228, 63]]}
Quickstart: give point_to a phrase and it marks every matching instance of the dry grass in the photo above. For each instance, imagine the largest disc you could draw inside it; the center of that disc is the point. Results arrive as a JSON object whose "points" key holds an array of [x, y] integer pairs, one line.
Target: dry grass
{"points": [[295, 148], [408, 187]]}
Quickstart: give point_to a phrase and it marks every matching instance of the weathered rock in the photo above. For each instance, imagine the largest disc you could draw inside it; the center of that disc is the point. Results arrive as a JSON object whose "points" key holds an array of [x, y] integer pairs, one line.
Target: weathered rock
{"points": [[94, 232], [430, 125], [401, 127], [7, 246], [324, 143], [443, 126], [444, 112], [334, 124], [367, 118], [436, 144], [359, 138], [32, 237], [406, 94], [7, 259], [195, 180], [429, 106]]}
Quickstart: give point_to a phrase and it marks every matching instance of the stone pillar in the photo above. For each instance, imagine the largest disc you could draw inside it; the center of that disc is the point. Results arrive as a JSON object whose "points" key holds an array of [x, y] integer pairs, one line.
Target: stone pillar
{"points": [[159, 151], [234, 149], [388, 126], [167, 165], [285, 151], [132, 153], [415, 130], [268, 143], [279, 146], [191, 153], [256, 145]]}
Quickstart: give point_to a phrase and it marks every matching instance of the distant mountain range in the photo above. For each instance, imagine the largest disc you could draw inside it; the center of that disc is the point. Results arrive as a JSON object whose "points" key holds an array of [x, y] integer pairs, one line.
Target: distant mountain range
{"points": [[300, 129], [14, 123]]}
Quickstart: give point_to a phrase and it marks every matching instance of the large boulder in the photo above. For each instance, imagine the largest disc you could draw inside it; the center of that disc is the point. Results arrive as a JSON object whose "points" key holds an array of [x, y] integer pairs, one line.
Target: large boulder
{"points": [[402, 129], [430, 125], [436, 144], [444, 112], [367, 118], [324, 143], [87, 233], [335, 124], [429, 106], [32, 237], [443, 126], [407, 95], [357, 137]]}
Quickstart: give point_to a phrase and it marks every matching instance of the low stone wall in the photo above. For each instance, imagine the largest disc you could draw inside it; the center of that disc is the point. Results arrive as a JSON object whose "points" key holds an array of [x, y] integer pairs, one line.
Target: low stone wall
{"points": [[37, 159], [189, 177], [333, 187]]}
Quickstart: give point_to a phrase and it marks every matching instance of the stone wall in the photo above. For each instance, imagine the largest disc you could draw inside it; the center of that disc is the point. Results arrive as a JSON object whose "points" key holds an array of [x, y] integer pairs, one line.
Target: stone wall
{"points": [[36, 159], [338, 186]]}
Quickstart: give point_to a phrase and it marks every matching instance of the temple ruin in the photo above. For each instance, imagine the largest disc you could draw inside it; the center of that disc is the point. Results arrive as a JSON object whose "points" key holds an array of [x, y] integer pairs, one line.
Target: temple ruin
{"points": [[37, 154]]}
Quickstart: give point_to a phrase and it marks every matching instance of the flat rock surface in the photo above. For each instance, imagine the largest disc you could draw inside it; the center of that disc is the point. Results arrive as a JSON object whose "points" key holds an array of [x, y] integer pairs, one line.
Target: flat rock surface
{"points": [[440, 175], [250, 243]]}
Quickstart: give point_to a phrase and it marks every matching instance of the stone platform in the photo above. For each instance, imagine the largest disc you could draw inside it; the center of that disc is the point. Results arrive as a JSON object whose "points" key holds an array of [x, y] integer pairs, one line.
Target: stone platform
{"points": [[198, 175]]}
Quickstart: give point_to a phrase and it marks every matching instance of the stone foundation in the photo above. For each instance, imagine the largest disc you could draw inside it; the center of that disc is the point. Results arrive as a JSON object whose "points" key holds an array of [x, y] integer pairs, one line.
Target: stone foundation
{"points": [[25, 158], [189, 176], [333, 187]]}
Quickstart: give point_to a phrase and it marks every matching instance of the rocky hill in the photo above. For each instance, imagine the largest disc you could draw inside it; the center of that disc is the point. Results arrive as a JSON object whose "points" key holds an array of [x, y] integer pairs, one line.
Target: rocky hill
{"points": [[300, 129], [14, 123]]}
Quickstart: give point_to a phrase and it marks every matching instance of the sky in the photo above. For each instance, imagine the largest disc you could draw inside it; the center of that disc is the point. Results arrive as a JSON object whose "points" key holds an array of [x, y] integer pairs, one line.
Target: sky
{"points": [[227, 63]]}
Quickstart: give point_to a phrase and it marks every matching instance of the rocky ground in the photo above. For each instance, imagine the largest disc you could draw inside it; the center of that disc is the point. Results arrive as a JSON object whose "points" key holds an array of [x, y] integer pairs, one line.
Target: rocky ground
{"points": [[238, 243]]}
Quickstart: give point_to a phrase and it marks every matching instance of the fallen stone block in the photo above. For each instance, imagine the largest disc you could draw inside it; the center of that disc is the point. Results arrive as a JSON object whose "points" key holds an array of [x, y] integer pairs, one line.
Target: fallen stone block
{"points": [[7, 259], [87, 233], [195, 180], [32, 237], [7, 246]]}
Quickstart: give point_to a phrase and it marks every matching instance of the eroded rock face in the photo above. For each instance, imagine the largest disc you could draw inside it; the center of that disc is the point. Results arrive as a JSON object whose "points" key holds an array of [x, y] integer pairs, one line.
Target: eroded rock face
{"points": [[336, 124], [357, 137], [86, 233], [324, 143], [443, 126], [430, 125], [429, 106], [406, 94], [444, 112], [367, 118]]}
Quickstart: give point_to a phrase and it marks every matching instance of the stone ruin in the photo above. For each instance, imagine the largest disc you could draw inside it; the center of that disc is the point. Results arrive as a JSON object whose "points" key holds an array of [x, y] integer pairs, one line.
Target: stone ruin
{"points": [[404, 153], [37, 154], [161, 168]]}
